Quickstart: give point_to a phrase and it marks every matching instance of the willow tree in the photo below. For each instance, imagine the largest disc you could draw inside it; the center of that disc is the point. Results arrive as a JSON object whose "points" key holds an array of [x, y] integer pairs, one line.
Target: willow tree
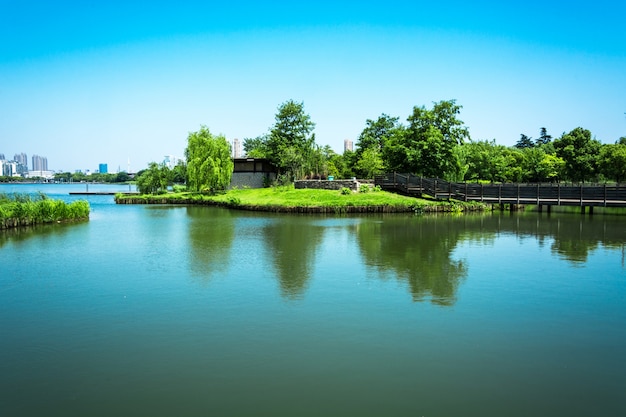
{"points": [[209, 165]]}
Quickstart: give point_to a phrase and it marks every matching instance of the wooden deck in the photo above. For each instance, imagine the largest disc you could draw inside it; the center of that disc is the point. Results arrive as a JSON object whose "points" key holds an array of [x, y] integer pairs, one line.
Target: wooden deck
{"points": [[519, 194]]}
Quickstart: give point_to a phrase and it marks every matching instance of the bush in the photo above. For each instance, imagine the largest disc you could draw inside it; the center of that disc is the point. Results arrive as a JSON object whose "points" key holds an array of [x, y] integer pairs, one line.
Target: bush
{"points": [[346, 191]]}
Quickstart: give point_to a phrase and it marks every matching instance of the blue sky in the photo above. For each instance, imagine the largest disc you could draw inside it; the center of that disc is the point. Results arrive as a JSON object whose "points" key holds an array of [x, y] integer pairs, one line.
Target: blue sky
{"points": [[84, 84]]}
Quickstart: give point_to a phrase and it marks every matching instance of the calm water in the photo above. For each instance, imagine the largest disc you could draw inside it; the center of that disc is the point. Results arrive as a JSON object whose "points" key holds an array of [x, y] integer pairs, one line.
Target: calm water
{"points": [[197, 311]]}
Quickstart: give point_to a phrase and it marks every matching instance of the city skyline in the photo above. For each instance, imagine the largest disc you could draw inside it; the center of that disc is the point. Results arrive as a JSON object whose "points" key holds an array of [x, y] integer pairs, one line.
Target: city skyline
{"points": [[40, 163], [86, 84]]}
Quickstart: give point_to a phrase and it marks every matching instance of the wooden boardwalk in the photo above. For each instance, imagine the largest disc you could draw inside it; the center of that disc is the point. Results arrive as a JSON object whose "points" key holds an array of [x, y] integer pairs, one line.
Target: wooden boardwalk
{"points": [[509, 193]]}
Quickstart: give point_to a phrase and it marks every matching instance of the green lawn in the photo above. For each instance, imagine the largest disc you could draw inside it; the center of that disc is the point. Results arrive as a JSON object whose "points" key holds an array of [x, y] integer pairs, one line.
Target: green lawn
{"points": [[288, 198]]}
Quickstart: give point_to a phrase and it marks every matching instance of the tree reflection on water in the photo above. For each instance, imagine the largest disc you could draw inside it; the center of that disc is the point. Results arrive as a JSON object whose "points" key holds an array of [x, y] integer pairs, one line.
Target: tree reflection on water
{"points": [[291, 244], [419, 251]]}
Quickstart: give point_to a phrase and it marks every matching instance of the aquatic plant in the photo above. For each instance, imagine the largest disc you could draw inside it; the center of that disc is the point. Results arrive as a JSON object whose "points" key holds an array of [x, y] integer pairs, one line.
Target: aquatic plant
{"points": [[25, 210]]}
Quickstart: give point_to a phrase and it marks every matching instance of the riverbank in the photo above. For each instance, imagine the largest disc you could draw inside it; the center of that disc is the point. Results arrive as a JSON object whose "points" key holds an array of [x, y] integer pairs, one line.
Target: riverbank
{"points": [[23, 210], [290, 200]]}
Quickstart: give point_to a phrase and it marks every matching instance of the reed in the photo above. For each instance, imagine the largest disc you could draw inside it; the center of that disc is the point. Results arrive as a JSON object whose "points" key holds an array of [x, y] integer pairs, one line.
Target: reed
{"points": [[26, 210]]}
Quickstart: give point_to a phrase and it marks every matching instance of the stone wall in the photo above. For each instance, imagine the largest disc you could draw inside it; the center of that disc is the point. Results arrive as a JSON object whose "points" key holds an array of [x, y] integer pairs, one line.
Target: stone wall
{"points": [[328, 185], [251, 179]]}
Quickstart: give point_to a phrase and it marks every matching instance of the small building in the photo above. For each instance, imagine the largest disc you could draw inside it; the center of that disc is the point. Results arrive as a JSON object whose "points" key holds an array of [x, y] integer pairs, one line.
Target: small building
{"points": [[252, 173]]}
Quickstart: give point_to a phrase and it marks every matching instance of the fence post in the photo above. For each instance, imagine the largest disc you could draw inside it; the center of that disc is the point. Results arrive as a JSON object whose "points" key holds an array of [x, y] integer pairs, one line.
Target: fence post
{"points": [[537, 193], [581, 195]]}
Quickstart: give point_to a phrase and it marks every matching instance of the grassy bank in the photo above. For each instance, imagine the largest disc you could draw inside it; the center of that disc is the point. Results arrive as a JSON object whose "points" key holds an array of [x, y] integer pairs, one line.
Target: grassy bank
{"points": [[24, 210], [288, 199]]}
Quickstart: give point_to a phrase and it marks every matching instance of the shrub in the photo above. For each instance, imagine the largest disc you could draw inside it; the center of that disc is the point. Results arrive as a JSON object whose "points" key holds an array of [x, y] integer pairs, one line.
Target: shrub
{"points": [[346, 191]]}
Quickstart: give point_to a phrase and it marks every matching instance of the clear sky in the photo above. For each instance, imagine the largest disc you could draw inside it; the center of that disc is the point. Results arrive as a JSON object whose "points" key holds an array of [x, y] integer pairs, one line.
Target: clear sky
{"points": [[84, 83]]}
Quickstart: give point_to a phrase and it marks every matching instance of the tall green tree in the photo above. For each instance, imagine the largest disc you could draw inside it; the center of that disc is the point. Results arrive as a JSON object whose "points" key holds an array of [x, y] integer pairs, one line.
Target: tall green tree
{"points": [[209, 164], [376, 132], [427, 146], [291, 140], [580, 153], [371, 143]]}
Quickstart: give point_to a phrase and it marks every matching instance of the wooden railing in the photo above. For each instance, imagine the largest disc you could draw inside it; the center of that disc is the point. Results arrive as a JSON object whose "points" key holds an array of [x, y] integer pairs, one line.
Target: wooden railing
{"points": [[507, 193]]}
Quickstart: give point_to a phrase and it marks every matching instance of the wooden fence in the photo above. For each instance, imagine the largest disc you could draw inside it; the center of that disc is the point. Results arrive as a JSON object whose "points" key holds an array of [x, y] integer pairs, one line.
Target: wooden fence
{"points": [[507, 193]]}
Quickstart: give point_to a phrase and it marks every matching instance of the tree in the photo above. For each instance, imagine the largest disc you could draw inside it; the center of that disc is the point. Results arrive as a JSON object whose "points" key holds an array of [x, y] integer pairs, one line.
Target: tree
{"points": [[484, 160], [427, 146], [524, 142], [122, 177], [291, 140], [376, 133], [374, 137], [580, 152], [179, 173], [539, 166], [544, 138], [154, 180], [370, 163], [612, 161], [209, 165], [256, 147]]}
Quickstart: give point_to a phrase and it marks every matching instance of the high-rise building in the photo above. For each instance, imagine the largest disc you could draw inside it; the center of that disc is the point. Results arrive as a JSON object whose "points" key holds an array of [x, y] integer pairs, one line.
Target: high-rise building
{"points": [[9, 168], [171, 161], [40, 163], [2, 157], [348, 145], [236, 148], [22, 159], [103, 168]]}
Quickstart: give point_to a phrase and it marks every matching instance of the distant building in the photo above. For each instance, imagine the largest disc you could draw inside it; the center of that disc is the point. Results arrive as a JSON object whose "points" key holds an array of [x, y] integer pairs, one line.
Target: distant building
{"points": [[10, 169], [2, 157], [103, 168], [348, 145], [40, 163], [171, 161], [236, 148], [22, 159]]}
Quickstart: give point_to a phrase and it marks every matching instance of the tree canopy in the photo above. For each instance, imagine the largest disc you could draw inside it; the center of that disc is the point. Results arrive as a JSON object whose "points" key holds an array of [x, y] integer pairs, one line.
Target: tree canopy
{"points": [[209, 163], [427, 146], [291, 139]]}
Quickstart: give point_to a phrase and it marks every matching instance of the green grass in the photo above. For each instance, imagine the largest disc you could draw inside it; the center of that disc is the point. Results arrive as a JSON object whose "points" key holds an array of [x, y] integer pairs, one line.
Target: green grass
{"points": [[290, 199]]}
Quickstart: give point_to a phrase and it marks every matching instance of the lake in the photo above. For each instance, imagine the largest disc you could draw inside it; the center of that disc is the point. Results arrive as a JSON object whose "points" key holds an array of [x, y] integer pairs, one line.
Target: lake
{"points": [[202, 311]]}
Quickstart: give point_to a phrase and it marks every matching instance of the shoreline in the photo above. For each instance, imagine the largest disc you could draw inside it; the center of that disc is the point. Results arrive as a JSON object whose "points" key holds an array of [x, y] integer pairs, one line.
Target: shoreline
{"points": [[451, 207]]}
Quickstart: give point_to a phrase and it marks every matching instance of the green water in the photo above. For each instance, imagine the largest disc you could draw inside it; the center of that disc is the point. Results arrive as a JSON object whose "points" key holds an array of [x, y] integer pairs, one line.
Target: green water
{"points": [[198, 311]]}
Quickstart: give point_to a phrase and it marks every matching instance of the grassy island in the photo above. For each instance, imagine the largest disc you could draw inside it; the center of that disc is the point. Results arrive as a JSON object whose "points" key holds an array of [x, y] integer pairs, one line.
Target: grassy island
{"points": [[24, 210], [289, 200]]}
